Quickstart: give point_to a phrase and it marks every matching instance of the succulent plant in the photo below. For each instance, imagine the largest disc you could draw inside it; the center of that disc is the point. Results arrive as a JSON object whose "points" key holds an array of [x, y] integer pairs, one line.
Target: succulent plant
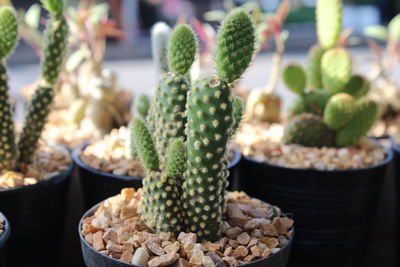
{"points": [[159, 47], [336, 96], [14, 156], [186, 183]]}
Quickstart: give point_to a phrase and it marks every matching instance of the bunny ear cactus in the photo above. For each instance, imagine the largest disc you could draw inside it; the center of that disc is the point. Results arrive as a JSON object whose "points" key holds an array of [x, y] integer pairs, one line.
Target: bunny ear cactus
{"points": [[55, 39], [336, 67], [357, 86], [314, 67], [169, 105], [329, 22], [294, 78], [159, 44], [8, 40], [339, 110]]}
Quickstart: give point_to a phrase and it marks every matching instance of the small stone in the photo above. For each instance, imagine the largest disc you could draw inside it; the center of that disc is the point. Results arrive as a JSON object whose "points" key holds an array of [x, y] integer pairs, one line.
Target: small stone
{"points": [[165, 236], [222, 242], [110, 234], [233, 232], [233, 243], [88, 237], [100, 222], [98, 243], [271, 242], [127, 246], [266, 253], [257, 233], [270, 230], [154, 247], [282, 241], [181, 263], [242, 251], [187, 238], [275, 250], [216, 259], [243, 238], [234, 211], [172, 248], [164, 260], [197, 255], [113, 247], [231, 261], [256, 251], [256, 213], [249, 258], [211, 247], [126, 256], [252, 242], [228, 251], [141, 257], [208, 262]]}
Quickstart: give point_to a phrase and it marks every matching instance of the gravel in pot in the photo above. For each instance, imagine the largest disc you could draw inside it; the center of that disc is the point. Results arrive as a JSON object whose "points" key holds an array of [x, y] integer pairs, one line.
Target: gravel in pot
{"points": [[4, 235]]}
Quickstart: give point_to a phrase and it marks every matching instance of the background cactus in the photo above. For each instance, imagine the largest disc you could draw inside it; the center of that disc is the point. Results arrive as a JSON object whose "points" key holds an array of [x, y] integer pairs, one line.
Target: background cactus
{"points": [[159, 47], [198, 158], [332, 107], [39, 107]]}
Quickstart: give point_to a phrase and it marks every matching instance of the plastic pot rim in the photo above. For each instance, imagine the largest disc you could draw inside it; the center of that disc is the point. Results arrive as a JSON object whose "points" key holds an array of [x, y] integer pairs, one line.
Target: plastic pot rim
{"points": [[386, 161], [75, 155], [92, 210], [7, 230], [395, 145]]}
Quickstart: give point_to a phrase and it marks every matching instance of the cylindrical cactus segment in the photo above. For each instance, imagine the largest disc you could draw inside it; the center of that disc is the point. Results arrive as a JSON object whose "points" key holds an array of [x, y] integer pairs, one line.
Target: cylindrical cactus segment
{"points": [[176, 159], [8, 152], [141, 106], [55, 7], [329, 22], [8, 31], [35, 120], [169, 110], [336, 68], [144, 145], [357, 86], [295, 78], [314, 77], [209, 127], [182, 49], [55, 38], [339, 110], [235, 45], [308, 130], [130, 148], [159, 44], [363, 119]]}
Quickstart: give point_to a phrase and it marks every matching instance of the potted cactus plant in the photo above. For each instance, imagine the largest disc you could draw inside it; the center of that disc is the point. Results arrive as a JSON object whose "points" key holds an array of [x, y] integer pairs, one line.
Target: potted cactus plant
{"points": [[184, 200], [4, 235], [324, 171], [34, 175]]}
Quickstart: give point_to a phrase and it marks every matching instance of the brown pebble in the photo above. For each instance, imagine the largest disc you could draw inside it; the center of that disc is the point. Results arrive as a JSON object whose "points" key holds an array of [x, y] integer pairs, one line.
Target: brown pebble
{"points": [[243, 238], [271, 242], [98, 243], [233, 243], [126, 256], [228, 251], [154, 247], [242, 251], [164, 260]]}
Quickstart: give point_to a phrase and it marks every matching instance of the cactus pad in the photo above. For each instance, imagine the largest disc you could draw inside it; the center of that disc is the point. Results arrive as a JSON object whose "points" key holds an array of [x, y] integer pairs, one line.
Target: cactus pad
{"points": [[182, 49], [295, 78], [238, 108], [142, 105], [314, 67], [308, 130], [8, 31], [339, 110], [357, 86], [235, 45], [363, 119], [329, 22], [336, 67]]}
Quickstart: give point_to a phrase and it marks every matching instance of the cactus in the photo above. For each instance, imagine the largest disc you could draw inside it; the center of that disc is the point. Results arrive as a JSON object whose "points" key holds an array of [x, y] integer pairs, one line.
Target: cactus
{"points": [[169, 105], [8, 40], [363, 119], [336, 66], [357, 86], [238, 107], [312, 102], [329, 22], [339, 110], [159, 44], [53, 54], [141, 105], [308, 130], [14, 157], [314, 67], [295, 78], [185, 190]]}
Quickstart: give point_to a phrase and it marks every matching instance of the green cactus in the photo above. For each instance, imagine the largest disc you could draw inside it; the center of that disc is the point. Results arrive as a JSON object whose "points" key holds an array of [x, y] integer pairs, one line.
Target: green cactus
{"points": [[314, 67], [357, 86], [336, 67], [8, 40], [295, 78], [238, 107], [339, 110], [141, 105], [235, 48], [312, 102], [185, 190], [159, 44], [363, 119], [169, 105], [308, 130], [329, 22]]}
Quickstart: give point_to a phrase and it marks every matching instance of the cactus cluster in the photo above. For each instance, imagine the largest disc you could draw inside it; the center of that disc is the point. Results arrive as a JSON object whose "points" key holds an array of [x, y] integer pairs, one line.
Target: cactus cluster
{"points": [[14, 156], [335, 110], [185, 156]]}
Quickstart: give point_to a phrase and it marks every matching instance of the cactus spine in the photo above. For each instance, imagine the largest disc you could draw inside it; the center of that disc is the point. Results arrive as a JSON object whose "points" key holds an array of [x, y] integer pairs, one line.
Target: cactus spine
{"points": [[187, 186], [56, 33], [8, 40], [159, 44]]}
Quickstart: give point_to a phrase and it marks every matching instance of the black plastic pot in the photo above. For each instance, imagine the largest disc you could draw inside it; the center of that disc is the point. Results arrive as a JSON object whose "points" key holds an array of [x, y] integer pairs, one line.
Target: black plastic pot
{"points": [[37, 215], [93, 258], [396, 176], [98, 185], [3, 239], [334, 210]]}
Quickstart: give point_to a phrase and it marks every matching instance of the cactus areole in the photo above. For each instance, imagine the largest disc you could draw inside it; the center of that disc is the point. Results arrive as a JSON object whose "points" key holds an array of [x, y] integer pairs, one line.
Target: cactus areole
{"points": [[186, 154], [335, 111], [13, 156]]}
